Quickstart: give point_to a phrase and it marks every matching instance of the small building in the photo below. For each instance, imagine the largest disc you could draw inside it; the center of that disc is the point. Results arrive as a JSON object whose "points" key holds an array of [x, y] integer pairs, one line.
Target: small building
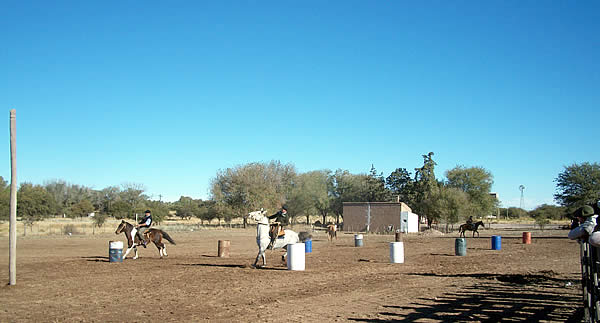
{"points": [[379, 217]]}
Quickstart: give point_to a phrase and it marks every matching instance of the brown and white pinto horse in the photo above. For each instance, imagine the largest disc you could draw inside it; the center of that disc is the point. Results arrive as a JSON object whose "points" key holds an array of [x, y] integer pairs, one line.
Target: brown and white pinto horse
{"points": [[151, 235], [331, 232]]}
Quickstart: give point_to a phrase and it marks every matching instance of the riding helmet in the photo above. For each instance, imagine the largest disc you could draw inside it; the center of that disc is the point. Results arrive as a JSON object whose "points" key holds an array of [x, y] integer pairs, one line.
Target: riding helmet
{"points": [[147, 211], [587, 210]]}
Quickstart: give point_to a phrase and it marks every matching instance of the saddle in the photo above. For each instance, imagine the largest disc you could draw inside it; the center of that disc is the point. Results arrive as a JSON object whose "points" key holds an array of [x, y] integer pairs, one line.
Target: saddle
{"points": [[276, 227]]}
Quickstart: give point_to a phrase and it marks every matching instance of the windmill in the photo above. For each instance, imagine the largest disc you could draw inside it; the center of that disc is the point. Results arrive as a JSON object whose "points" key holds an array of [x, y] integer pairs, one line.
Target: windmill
{"points": [[521, 188]]}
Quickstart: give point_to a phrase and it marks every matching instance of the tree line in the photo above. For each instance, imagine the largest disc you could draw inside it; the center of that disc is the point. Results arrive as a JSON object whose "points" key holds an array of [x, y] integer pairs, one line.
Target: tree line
{"points": [[234, 192]]}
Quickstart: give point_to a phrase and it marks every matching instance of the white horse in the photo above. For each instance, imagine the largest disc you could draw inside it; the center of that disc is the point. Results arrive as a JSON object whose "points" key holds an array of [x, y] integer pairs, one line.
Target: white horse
{"points": [[263, 239]]}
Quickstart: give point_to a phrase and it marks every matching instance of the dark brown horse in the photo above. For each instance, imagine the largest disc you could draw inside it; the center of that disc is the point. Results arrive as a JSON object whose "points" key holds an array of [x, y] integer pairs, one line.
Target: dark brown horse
{"points": [[151, 235], [471, 227]]}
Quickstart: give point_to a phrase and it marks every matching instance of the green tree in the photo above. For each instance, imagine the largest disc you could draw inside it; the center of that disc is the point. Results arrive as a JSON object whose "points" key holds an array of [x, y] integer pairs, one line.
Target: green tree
{"points": [[81, 209], [375, 190], [454, 204], [425, 187], [159, 209], [108, 195], [120, 210], [133, 195], [514, 212], [401, 184], [578, 185], [477, 183], [4, 200], [99, 219], [342, 187], [548, 211], [253, 186], [187, 207], [207, 211], [309, 195], [34, 203]]}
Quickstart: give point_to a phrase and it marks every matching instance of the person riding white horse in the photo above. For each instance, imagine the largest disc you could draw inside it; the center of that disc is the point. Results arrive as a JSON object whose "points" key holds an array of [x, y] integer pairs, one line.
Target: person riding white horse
{"points": [[276, 229], [263, 239]]}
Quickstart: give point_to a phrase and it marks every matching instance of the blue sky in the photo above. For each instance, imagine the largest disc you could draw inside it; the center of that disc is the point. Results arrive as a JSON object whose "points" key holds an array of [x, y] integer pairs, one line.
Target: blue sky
{"points": [[165, 94]]}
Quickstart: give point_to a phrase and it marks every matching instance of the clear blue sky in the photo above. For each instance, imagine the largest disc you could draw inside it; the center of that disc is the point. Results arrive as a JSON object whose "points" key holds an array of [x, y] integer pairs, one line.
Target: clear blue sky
{"points": [[165, 94]]}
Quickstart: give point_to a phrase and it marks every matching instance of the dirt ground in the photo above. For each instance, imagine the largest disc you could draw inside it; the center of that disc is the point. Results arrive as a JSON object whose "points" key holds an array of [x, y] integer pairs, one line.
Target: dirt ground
{"points": [[71, 279]]}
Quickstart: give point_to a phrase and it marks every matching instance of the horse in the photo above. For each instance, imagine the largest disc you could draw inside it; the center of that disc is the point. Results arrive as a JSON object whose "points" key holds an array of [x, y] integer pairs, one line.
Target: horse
{"points": [[471, 227], [152, 235], [331, 232], [263, 239]]}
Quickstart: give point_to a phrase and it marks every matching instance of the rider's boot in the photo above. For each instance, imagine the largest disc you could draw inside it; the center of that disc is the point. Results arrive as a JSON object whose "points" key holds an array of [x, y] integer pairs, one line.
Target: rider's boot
{"points": [[270, 246]]}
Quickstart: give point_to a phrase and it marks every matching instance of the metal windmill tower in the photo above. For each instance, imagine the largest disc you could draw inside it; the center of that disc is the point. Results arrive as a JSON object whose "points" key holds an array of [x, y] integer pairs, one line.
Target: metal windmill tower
{"points": [[522, 188]]}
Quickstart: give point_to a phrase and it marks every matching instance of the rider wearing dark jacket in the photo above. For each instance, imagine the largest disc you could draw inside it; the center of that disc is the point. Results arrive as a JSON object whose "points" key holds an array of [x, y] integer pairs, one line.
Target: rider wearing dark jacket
{"points": [[143, 226], [281, 219]]}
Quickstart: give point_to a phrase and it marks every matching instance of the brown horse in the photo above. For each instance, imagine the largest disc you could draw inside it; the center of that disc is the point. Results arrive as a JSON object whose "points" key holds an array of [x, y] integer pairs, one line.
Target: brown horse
{"points": [[331, 232], [471, 227], [151, 235]]}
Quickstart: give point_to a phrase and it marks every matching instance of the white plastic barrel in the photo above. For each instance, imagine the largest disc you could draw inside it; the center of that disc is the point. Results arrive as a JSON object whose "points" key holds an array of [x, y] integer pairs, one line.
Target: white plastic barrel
{"points": [[295, 256], [397, 252]]}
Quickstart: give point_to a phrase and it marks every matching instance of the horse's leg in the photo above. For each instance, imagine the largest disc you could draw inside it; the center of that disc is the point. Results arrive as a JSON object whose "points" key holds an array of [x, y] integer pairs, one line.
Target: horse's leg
{"points": [[285, 254], [127, 252], [159, 245], [256, 260], [135, 251]]}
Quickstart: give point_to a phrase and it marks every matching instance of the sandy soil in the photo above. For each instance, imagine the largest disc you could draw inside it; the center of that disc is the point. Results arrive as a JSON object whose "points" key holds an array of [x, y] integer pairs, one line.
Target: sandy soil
{"points": [[71, 279]]}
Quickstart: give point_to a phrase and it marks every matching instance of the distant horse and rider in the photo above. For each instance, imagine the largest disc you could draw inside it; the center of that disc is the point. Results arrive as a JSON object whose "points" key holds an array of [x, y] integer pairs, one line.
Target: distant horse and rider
{"points": [[470, 227], [151, 235], [331, 232], [263, 238]]}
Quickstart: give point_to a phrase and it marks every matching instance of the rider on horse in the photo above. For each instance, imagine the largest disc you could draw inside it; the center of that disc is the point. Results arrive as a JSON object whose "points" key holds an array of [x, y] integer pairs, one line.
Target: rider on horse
{"points": [[143, 226], [276, 230], [470, 220]]}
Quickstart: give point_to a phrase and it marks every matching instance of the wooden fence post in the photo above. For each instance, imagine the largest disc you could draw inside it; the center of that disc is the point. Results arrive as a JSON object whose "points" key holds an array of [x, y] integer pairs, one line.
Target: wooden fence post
{"points": [[12, 267]]}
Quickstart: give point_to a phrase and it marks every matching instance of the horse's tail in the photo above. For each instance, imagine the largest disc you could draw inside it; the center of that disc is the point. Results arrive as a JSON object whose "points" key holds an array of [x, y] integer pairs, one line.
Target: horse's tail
{"points": [[167, 236], [303, 236]]}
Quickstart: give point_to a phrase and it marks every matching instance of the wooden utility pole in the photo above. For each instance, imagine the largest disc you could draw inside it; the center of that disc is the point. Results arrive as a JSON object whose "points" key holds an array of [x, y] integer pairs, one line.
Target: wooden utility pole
{"points": [[12, 270]]}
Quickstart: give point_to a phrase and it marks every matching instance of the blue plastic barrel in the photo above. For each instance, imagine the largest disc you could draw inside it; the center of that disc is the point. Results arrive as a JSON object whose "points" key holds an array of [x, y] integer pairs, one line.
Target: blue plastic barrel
{"points": [[308, 246], [115, 251], [358, 240], [460, 247], [496, 242]]}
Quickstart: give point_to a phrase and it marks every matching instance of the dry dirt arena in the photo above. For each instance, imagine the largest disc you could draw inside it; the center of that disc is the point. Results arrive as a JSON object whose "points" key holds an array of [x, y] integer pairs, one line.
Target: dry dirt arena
{"points": [[70, 279]]}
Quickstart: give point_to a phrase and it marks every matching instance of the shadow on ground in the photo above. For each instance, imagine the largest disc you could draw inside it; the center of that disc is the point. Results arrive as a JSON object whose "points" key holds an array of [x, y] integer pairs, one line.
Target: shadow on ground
{"points": [[494, 298]]}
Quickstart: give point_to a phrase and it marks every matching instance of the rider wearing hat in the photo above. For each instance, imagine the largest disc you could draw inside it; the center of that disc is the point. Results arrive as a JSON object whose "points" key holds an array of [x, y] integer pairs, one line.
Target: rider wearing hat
{"points": [[587, 218], [281, 219], [143, 226]]}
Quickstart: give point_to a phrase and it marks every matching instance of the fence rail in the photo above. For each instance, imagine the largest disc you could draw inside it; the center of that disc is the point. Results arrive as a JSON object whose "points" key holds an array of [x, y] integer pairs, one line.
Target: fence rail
{"points": [[590, 266]]}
